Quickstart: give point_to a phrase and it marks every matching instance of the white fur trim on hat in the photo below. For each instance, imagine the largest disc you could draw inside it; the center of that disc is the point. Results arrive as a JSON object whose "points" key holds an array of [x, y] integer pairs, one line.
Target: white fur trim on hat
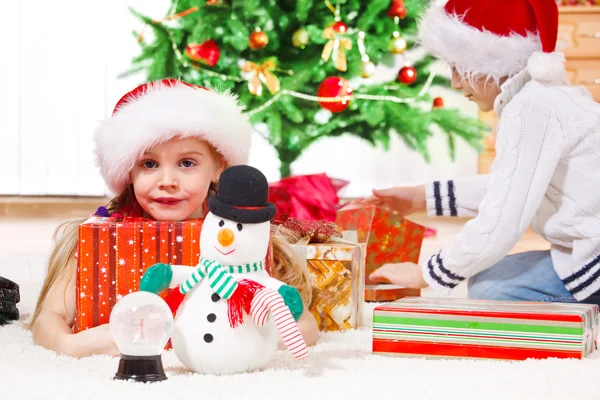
{"points": [[161, 113], [471, 51]]}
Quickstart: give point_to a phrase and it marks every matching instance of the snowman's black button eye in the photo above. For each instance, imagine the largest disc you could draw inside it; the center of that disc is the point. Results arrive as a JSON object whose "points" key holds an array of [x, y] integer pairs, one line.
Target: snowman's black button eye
{"points": [[221, 223], [240, 226]]}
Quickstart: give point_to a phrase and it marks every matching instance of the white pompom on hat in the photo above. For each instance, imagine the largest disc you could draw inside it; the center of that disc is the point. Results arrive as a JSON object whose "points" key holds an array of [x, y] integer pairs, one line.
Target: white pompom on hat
{"points": [[496, 38], [158, 111]]}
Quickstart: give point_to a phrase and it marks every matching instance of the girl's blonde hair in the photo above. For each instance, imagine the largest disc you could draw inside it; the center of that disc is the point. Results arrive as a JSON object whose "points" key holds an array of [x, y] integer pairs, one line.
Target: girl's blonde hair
{"points": [[65, 243], [288, 266]]}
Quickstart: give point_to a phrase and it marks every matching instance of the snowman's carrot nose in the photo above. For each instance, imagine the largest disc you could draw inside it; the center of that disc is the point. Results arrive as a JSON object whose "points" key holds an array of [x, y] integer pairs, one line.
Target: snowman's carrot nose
{"points": [[225, 237]]}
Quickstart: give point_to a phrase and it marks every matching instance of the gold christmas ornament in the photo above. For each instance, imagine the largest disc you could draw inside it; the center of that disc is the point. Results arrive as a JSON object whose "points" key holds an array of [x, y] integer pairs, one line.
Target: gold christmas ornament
{"points": [[300, 38], [258, 40], [398, 45]]}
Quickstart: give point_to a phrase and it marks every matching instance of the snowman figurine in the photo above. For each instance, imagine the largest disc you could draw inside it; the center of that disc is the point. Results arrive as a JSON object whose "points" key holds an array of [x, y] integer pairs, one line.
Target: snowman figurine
{"points": [[229, 311]]}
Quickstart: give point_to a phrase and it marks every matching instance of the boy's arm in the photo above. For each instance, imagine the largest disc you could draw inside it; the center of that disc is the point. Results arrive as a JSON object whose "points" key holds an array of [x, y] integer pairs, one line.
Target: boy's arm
{"points": [[456, 198], [530, 143]]}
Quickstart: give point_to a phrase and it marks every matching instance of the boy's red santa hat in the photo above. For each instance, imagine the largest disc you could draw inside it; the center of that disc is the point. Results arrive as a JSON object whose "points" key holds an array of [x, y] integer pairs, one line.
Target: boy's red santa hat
{"points": [[496, 38], [158, 111]]}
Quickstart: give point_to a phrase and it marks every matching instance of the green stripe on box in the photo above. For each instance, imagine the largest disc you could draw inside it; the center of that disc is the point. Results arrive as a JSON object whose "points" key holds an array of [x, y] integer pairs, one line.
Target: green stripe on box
{"points": [[476, 325]]}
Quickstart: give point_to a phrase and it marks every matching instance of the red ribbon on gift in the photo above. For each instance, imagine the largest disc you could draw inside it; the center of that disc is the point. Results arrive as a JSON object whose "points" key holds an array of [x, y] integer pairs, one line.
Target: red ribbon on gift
{"points": [[313, 231], [306, 197]]}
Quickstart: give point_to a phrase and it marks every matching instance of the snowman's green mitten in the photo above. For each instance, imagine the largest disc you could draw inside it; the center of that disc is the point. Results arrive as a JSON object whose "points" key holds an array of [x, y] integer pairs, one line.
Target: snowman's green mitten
{"points": [[292, 299], [156, 278]]}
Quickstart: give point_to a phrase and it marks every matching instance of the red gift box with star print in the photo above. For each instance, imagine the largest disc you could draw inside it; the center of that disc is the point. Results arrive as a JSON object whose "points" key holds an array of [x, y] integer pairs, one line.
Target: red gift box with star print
{"points": [[113, 255]]}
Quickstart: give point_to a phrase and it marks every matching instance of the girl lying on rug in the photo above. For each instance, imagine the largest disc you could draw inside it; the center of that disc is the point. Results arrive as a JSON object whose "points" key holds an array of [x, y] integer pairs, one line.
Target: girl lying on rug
{"points": [[547, 168], [163, 150]]}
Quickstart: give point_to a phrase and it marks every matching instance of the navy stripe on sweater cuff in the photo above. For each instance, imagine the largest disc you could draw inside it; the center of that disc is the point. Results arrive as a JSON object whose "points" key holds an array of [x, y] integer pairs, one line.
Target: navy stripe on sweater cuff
{"points": [[442, 279], [583, 271], [452, 199], [439, 211]]}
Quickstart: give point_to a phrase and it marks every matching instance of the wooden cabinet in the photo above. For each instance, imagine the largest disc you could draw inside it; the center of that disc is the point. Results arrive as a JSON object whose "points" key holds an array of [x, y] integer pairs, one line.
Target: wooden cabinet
{"points": [[579, 39]]}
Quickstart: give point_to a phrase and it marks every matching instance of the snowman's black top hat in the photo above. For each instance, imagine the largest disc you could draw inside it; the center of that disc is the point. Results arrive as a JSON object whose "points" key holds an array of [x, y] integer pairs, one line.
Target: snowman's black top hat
{"points": [[242, 196]]}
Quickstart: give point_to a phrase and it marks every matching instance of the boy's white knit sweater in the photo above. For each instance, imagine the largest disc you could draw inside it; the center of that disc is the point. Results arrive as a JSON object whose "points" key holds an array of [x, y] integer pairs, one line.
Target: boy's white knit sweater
{"points": [[546, 175]]}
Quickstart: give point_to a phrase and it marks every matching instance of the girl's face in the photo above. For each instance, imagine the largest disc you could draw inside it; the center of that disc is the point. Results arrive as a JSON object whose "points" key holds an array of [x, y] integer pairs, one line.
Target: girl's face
{"points": [[483, 92], [171, 180]]}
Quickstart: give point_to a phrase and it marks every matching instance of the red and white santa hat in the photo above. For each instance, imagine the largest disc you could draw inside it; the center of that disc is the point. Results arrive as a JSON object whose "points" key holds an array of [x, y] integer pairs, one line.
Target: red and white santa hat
{"points": [[495, 38], [158, 111]]}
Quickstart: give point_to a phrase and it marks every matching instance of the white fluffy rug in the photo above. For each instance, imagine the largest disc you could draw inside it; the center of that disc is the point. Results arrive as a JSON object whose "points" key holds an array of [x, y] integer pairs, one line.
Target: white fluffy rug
{"points": [[339, 367]]}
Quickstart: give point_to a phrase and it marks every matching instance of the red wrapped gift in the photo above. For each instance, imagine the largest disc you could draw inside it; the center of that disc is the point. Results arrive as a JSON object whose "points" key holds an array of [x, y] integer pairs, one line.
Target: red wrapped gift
{"points": [[388, 239], [114, 254], [306, 197]]}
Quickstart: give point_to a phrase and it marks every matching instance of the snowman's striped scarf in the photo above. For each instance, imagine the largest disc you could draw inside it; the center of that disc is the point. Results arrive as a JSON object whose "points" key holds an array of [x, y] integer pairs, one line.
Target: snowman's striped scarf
{"points": [[219, 276]]}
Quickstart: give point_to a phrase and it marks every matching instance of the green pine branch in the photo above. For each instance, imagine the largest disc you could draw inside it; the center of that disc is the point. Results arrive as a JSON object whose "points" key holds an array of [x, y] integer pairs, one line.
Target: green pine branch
{"points": [[295, 124]]}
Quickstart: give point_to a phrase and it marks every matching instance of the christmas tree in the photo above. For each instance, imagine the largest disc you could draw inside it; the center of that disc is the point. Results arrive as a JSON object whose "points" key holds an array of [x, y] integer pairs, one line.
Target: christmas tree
{"points": [[302, 67]]}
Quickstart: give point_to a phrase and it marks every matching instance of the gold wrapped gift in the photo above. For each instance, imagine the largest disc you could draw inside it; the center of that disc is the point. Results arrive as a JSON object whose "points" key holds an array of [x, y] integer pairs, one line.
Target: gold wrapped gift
{"points": [[337, 270]]}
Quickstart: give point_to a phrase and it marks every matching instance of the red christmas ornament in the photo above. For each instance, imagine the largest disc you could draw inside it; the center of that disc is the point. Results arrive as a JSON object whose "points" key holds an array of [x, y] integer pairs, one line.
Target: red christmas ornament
{"points": [[438, 102], [207, 53], [397, 9], [335, 86], [407, 75], [339, 27], [258, 40]]}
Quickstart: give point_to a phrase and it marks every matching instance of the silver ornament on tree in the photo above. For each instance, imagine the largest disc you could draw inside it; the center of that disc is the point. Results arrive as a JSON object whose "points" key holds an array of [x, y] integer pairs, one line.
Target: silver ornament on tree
{"points": [[323, 116], [367, 67], [398, 44]]}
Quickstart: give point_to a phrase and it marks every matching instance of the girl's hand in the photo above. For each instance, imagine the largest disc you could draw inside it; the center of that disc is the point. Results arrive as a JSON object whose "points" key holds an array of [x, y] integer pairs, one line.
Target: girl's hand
{"points": [[97, 340], [405, 274], [403, 200], [106, 341]]}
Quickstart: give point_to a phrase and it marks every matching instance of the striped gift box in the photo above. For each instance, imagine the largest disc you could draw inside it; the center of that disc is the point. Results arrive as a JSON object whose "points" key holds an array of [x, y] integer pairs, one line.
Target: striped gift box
{"points": [[113, 256], [460, 328]]}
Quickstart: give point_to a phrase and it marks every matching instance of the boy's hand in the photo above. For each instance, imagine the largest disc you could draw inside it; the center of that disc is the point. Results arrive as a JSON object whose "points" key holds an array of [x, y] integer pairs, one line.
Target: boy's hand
{"points": [[405, 274], [403, 200]]}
